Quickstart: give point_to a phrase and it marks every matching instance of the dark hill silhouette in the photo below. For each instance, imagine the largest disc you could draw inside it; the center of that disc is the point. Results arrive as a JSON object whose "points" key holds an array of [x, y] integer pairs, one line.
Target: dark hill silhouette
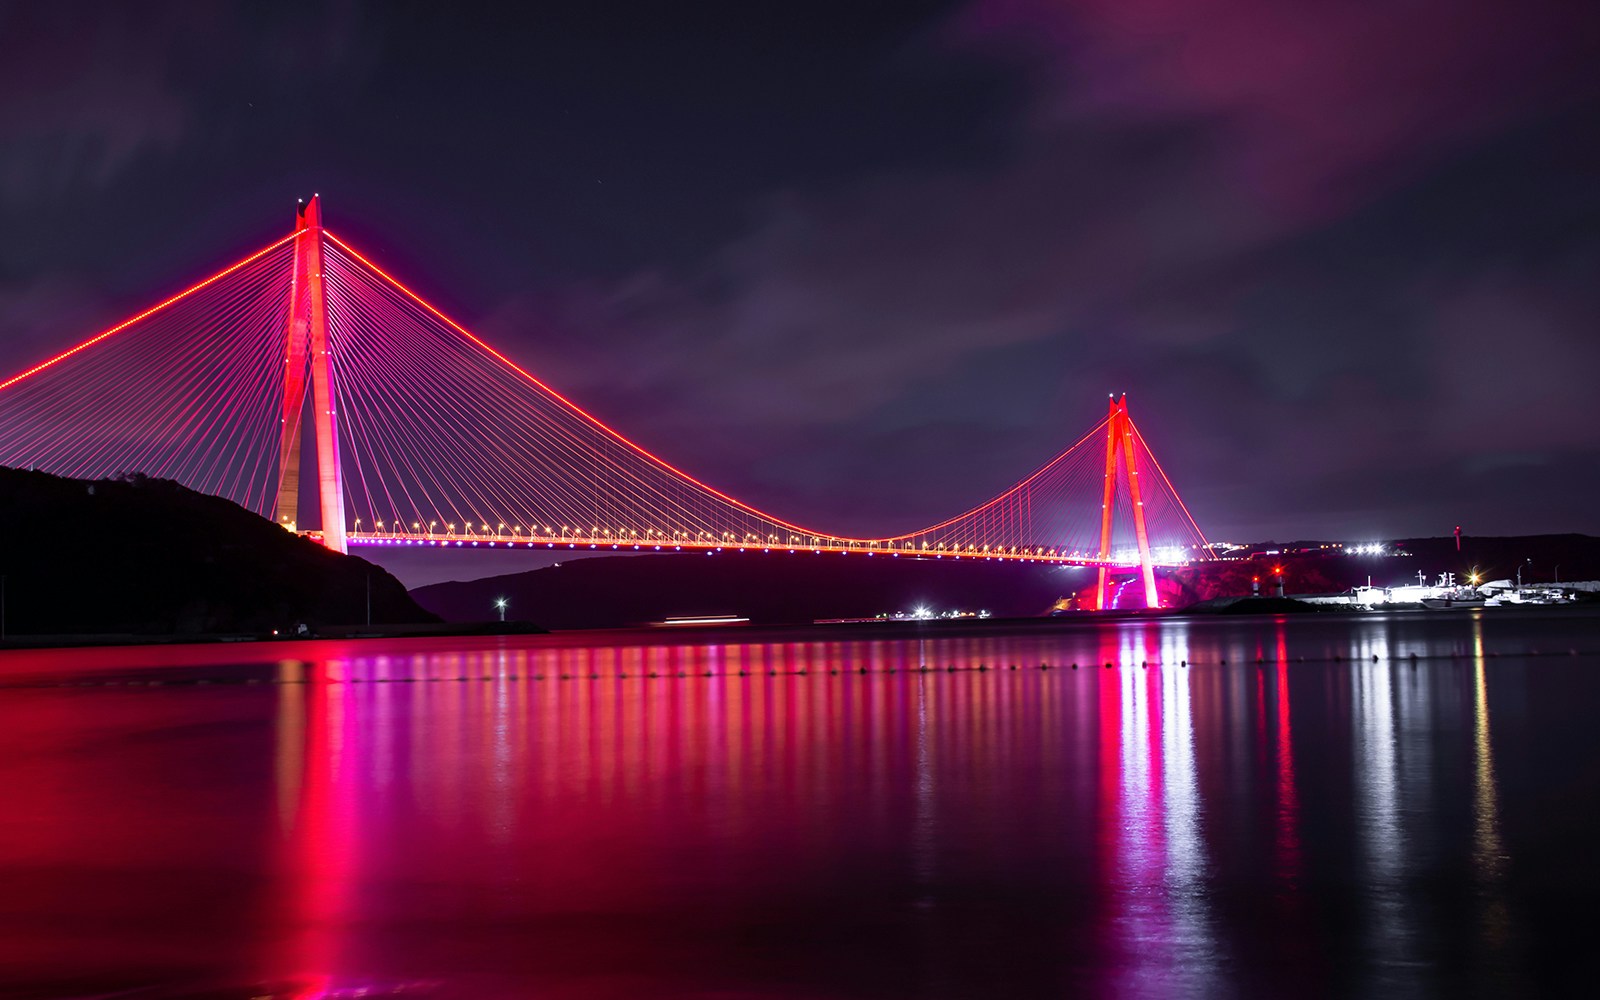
{"points": [[608, 592], [1308, 569], [147, 556]]}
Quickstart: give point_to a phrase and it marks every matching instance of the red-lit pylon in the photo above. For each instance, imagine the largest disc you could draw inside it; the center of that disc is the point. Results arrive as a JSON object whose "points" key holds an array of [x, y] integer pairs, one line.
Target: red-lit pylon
{"points": [[306, 340], [1119, 441]]}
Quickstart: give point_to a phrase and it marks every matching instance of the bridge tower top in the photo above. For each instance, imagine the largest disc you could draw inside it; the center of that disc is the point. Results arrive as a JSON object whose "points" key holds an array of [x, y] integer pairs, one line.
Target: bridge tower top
{"points": [[309, 214]]}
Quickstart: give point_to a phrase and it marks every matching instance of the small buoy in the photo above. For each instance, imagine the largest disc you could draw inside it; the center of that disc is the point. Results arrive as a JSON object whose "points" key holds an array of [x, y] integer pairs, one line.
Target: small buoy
{"points": [[863, 670], [1374, 657], [1108, 666], [833, 673], [1074, 666], [652, 675], [981, 668], [1183, 663], [1013, 666], [743, 674]]}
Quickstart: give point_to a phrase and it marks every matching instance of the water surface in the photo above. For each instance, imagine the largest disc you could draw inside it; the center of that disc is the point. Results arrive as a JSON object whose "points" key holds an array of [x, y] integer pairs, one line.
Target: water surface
{"points": [[1402, 804]]}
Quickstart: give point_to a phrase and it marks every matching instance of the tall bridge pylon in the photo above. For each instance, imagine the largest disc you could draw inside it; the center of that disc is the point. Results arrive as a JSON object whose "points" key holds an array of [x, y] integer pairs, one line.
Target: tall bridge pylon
{"points": [[425, 435], [306, 356]]}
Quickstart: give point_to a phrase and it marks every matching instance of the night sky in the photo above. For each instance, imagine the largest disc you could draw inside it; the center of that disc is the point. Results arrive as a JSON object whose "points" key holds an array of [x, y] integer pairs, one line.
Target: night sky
{"points": [[866, 265]]}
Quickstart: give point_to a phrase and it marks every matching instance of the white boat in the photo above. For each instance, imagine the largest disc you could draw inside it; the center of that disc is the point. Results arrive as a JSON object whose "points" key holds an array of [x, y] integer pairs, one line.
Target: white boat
{"points": [[1456, 600]]}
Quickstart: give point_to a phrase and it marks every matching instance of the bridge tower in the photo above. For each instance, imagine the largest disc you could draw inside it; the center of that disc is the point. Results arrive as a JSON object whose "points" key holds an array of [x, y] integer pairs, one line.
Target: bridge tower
{"points": [[1119, 443], [306, 357]]}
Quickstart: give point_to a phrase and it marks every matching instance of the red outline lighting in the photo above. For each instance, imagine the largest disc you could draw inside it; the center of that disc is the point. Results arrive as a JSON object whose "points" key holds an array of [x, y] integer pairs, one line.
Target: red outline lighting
{"points": [[69, 352]]}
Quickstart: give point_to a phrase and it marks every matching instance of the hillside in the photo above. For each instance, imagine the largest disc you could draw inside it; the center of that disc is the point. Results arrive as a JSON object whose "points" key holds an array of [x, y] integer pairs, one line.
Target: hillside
{"points": [[149, 557], [608, 592]]}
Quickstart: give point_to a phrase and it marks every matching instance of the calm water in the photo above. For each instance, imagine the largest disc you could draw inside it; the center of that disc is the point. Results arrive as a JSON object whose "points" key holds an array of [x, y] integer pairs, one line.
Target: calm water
{"points": [[452, 818]]}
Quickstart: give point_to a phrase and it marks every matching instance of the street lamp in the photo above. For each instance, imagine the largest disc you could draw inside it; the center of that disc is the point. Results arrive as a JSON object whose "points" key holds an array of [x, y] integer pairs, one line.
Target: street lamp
{"points": [[500, 604]]}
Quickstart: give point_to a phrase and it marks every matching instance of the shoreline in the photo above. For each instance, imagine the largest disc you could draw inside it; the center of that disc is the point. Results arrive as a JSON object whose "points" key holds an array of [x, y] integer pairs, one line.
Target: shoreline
{"points": [[732, 632]]}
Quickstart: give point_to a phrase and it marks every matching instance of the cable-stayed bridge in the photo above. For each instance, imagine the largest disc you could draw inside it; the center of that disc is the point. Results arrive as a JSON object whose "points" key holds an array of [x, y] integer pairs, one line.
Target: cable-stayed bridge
{"points": [[422, 434]]}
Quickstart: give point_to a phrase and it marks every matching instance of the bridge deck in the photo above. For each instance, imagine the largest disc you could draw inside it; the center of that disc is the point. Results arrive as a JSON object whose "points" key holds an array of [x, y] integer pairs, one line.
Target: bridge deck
{"points": [[818, 546]]}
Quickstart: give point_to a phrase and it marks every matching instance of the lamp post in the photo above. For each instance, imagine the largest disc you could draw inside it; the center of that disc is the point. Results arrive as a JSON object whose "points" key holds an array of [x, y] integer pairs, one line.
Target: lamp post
{"points": [[500, 606]]}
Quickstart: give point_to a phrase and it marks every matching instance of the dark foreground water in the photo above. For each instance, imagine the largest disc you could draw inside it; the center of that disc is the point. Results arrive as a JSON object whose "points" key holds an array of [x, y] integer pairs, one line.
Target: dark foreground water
{"points": [[1321, 814]]}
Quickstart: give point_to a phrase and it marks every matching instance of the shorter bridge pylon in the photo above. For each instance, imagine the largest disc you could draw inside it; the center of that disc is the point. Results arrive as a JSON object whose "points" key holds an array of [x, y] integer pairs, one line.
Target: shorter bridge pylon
{"points": [[1119, 444]]}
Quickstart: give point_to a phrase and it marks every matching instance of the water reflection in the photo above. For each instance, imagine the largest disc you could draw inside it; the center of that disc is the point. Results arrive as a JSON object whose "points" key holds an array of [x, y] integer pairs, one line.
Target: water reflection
{"points": [[1109, 811], [1382, 836]]}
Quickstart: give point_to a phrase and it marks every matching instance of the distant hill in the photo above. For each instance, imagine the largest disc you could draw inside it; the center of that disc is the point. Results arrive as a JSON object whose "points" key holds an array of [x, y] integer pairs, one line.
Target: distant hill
{"points": [[1309, 568], [768, 589], [609, 592], [1544, 558], [148, 556]]}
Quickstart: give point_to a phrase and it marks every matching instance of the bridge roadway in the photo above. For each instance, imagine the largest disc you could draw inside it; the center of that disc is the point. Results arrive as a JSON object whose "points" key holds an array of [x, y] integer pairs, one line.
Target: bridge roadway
{"points": [[657, 542]]}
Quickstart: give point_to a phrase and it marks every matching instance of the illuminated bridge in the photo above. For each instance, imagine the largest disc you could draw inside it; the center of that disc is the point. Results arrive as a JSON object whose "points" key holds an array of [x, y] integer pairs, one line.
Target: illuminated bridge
{"points": [[425, 435]]}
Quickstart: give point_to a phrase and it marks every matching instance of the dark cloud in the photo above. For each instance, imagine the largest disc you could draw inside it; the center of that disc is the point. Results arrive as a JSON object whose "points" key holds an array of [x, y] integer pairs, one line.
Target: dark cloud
{"points": [[1248, 215], [89, 90], [867, 267]]}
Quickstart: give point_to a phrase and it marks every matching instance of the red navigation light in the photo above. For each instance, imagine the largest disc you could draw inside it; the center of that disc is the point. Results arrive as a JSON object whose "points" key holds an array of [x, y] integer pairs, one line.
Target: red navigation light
{"points": [[1277, 571]]}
